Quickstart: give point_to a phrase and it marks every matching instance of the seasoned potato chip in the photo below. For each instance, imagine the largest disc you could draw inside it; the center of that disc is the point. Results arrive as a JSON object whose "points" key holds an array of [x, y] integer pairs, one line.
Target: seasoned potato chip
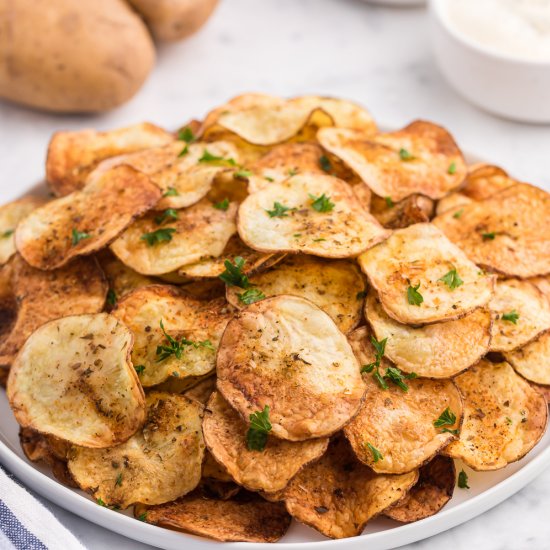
{"points": [[543, 284], [204, 289], [85, 221], [484, 180], [435, 487], [508, 233], [413, 209], [202, 390], [314, 214], [421, 277], [454, 201], [186, 342], [73, 379], [161, 462], [334, 286], [268, 470], [10, 216], [521, 312], [199, 231], [543, 390], [212, 469], [439, 350], [40, 296], [286, 353], [532, 361], [246, 518], [73, 155], [421, 158], [504, 417], [337, 495], [396, 429]]}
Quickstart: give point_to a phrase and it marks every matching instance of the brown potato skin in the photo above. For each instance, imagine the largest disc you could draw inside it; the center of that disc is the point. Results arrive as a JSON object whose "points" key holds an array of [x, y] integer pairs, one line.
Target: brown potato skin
{"points": [[55, 54]]}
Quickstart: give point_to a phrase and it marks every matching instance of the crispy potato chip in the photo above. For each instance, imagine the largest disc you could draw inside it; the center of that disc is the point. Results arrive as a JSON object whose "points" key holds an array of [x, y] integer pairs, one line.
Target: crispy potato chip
{"points": [[337, 495], [335, 286], [73, 379], [400, 424], [323, 218], [245, 518], [484, 180], [268, 470], [504, 417], [186, 346], [223, 490], [521, 313], [161, 462], [532, 361], [40, 296], [421, 277], [184, 172], [421, 158], [543, 390], [435, 487], [73, 155], [439, 350], [543, 284], [204, 289], [200, 231], [10, 216], [413, 209], [286, 353], [85, 221], [508, 233], [453, 201], [202, 390]]}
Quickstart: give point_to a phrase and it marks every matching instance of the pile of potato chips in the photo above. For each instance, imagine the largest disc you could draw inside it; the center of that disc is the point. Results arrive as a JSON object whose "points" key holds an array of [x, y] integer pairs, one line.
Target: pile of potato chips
{"points": [[277, 312]]}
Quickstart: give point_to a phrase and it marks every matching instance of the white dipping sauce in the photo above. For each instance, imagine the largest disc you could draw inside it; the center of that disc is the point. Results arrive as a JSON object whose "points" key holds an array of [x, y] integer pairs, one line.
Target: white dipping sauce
{"points": [[517, 28]]}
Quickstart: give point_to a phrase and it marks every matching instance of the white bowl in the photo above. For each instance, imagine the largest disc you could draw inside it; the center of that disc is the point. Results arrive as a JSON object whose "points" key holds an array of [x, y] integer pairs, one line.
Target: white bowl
{"points": [[509, 87]]}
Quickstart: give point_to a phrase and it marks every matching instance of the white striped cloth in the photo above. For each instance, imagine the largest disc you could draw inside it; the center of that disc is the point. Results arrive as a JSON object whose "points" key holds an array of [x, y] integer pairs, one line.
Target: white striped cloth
{"points": [[26, 525]]}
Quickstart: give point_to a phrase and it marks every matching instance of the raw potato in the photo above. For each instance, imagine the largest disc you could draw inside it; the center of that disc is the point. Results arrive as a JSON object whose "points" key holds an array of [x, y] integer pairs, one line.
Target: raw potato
{"points": [[439, 350], [73, 155], [40, 296], [485, 180], [422, 255], [170, 20], [268, 470], [286, 353], [508, 233], [201, 322], [337, 495], [435, 166], [514, 297], [68, 56], [504, 417], [533, 360], [10, 215], [334, 286], [413, 209], [435, 487], [73, 379], [400, 424], [247, 518], [85, 221], [161, 462], [201, 231], [343, 232]]}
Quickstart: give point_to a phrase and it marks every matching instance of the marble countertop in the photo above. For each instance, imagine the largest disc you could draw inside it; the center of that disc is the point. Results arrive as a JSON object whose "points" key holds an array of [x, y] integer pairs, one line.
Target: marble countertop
{"points": [[377, 56]]}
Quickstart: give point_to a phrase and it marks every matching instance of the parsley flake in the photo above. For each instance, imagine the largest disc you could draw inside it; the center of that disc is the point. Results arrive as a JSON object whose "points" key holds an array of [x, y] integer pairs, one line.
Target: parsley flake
{"points": [[184, 151], [488, 236], [78, 236], [187, 135], [451, 279], [168, 214], [260, 426], [143, 517], [446, 418], [171, 192], [511, 317], [242, 174], [389, 202], [405, 155], [222, 205], [111, 297], [101, 502], [325, 163], [251, 295], [139, 368], [376, 454], [463, 480], [209, 157], [322, 203], [234, 275], [413, 296], [279, 210], [7, 233], [158, 236], [118, 481], [452, 168], [458, 213], [176, 347]]}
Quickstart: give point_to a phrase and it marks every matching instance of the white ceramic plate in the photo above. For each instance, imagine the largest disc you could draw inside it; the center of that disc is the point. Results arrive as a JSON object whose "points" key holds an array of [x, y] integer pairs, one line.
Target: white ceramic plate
{"points": [[487, 490]]}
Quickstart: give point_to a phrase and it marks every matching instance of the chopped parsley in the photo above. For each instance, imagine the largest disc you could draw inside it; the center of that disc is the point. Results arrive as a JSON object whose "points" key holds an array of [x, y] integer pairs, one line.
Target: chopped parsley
{"points": [[405, 155], [325, 163], [508, 421], [176, 347], [260, 426], [78, 236], [376, 454], [7, 233], [279, 210], [511, 317], [452, 168], [222, 205], [488, 236], [101, 502], [292, 172], [458, 213], [413, 296], [234, 275], [463, 480], [251, 295], [319, 240], [242, 174], [446, 418], [451, 279], [118, 481], [187, 135], [143, 517], [209, 157], [322, 203], [171, 192], [184, 151], [169, 214], [111, 297], [158, 236], [139, 368], [394, 374], [389, 202], [374, 367], [269, 178]]}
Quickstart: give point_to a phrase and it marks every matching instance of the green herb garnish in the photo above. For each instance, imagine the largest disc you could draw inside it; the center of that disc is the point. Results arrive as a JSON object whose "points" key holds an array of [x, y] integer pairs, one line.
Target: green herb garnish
{"points": [[209, 157], [325, 163], [222, 205], [405, 155], [463, 480], [176, 347], [171, 192], [234, 275], [413, 296], [260, 426], [322, 203], [158, 236], [446, 418], [168, 214], [279, 210], [488, 236], [512, 317], [452, 168], [389, 202], [451, 279], [251, 295], [458, 213], [78, 236], [8, 233], [187, 135], [376, 454], [242, 174], [118, 481], [111, 297], [139, 368]]}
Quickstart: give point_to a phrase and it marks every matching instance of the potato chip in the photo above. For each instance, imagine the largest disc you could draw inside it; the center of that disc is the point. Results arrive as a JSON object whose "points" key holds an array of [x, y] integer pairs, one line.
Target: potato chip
{"points": [[73, 155], [543, 284], [40, 296], [184, 346], [73, 379], [532, 361], [225, 434], [396, 428], [10, 216], [246, 518], [200, 231], [85, 221], [504, 417], [161, 462], [202, 390], [421, 277], [286, 353], [543, 390], [435, 487], [439, 350], [508, 233], [212, 469], [336, 286], [484, 180], [413, 209], [521, 313], [421, 158], [314, 214], [453, 201], [204, 289], [337, 495]]}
